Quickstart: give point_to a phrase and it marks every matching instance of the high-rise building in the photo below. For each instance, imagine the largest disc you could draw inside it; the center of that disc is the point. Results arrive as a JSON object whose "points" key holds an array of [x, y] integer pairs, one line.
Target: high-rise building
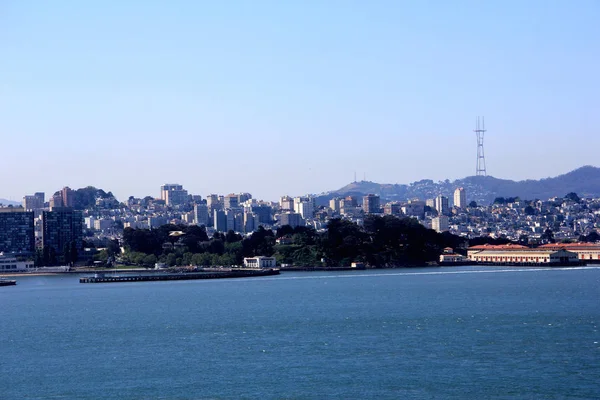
{"points": [[414, 208], [238, 222], [287, 203], [371, 204], [460, 198], [214, 203], [230, 215], [441, 205], [242, 197], [393, 208], [440, 224], [263, 212], [173, 194], [231, 201], [16, 230], [220, 220], [56, 201], [33, 202], [291, 219], [167, 187], [251, 222], [68, 196], [201, 214], [61, 227], [41, 196], [334, 204], [305, 206]]}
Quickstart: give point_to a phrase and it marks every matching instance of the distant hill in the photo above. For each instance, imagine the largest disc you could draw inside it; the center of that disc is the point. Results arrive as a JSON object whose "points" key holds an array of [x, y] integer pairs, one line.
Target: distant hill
{"points": [[584, 181], [5, 202]]}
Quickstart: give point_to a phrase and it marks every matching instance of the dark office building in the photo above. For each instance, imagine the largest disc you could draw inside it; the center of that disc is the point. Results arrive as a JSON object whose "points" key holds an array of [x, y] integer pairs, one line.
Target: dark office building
{"points": [[61, 226], [371, 204], [264, 213], [291, 219], [16, 230], [220, 221]]}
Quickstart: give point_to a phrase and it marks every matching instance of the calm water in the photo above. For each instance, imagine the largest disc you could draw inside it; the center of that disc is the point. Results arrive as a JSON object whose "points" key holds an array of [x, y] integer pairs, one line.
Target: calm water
{"points": [[452, 333]]}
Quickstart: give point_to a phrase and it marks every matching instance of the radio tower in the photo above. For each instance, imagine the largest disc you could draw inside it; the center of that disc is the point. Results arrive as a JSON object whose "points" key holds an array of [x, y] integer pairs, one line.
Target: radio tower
{"points": [[480, 131]]}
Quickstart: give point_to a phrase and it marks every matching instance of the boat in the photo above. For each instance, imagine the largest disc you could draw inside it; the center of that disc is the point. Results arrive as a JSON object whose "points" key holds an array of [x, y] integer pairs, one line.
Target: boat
{"points": [[7, 282]]}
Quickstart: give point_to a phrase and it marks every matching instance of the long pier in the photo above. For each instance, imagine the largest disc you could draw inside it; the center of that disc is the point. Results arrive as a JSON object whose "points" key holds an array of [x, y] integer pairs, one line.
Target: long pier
{"points": [[241, 273]]}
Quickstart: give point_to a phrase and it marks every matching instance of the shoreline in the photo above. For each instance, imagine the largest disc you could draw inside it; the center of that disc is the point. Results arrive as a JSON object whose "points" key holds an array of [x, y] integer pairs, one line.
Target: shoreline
{"points": [[288, 269]]}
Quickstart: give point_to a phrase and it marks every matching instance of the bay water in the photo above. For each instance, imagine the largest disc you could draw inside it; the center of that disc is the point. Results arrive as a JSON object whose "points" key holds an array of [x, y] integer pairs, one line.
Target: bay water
{"points": [[444, 333]]}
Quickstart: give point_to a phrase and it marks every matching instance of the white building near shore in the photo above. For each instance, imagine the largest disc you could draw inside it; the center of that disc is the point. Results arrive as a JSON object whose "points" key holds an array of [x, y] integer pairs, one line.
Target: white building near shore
{"points": [[260, 262], [11, 264]]}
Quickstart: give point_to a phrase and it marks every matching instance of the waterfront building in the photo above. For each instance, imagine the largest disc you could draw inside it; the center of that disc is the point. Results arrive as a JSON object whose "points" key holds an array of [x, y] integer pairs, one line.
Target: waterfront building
{"points": [[17, 233], [260, 262], [516, 254], [584, 251], [371, 204], [11, 264], [61, 227], [460, 198]]}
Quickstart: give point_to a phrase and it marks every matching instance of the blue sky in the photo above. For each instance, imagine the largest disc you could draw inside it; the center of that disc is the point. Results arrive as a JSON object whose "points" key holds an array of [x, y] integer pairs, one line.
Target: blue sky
{"points": [[292, 97]]}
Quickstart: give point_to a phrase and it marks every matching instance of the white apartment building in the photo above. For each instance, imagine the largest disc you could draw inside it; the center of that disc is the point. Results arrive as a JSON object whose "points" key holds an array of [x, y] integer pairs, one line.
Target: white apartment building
{"points": [[440, 224], [460, 198]]}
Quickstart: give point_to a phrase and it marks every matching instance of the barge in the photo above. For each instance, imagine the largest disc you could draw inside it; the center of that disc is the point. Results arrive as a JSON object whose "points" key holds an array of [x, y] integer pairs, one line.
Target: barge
{"points": [[234, 273]]}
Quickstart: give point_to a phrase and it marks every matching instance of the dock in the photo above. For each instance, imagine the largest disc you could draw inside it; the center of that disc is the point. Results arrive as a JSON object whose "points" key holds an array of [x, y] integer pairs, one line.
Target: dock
{"points": [[236, 273]]}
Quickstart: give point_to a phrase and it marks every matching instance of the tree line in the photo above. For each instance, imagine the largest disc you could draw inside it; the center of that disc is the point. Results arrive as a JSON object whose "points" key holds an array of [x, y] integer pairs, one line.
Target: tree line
{"points": [[382, 241]]}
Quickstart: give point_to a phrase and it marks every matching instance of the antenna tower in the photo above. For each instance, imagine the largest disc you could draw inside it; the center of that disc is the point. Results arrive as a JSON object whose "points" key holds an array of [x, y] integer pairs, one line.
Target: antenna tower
{"points": [[480, 131]]}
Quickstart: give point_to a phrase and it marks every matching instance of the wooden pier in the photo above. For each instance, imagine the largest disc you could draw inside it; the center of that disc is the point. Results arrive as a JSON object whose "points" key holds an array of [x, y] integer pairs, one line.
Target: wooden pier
{"points": [[236, 273]]}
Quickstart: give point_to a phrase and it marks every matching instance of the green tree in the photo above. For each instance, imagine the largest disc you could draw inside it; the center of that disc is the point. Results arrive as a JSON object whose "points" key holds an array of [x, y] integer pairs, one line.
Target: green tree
{"points": [[573, 197], [149, 261]]}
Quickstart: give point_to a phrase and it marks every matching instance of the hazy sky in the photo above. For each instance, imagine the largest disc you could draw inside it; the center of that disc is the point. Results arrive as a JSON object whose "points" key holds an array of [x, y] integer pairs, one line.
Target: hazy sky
{"points": [[291, 97]]}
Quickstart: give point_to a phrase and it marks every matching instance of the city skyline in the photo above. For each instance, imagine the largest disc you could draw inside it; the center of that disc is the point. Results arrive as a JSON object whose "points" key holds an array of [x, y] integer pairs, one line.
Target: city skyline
{"points": [[60, 193], [279, 99]]}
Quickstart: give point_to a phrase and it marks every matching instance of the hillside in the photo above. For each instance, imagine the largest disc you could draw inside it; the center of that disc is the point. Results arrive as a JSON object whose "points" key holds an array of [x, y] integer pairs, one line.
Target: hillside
{"points": [[6, 202], [584, 181]]}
